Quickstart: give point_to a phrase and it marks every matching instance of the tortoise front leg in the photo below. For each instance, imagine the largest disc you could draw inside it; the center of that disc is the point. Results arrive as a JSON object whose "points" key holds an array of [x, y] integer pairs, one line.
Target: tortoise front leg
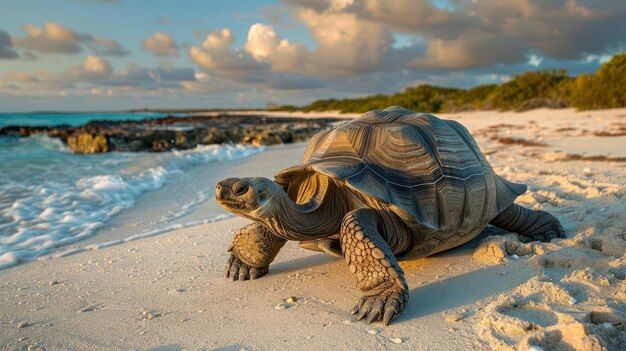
{"points": [[378, 275], [252, 250]]}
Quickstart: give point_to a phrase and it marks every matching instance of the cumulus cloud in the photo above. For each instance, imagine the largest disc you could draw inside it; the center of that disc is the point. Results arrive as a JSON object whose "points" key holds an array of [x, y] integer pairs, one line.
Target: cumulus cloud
{"points": [[97, 74], [219, 40], [472, 49], [217, 55], [93, 69], [346, 44], [262, 41], [481, 32], [52, 38], [6, 47], [264, 45], [359, 38], [55, 38], [414, 16], [161, 44], [359, 47], [97, 65]]}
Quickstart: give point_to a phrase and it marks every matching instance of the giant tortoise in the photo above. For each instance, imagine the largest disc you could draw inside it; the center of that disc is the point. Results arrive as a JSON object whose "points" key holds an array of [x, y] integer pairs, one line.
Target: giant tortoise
{"points": [[390, 184]]}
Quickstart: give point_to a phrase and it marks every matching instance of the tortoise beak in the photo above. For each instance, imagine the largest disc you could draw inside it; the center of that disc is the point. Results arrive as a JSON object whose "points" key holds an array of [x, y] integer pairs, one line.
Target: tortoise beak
{"points": [[230, 187], [218, 190], [222, 188]]}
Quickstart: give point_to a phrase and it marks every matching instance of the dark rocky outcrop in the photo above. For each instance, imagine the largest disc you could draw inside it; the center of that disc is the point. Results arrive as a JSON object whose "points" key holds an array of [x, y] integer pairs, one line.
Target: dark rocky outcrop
{"points": [[178, 133]]}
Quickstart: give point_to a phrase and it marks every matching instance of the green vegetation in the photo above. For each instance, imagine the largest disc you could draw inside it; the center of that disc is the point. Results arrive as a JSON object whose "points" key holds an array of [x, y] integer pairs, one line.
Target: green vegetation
{"points": [[532, 90], [606, 88]]}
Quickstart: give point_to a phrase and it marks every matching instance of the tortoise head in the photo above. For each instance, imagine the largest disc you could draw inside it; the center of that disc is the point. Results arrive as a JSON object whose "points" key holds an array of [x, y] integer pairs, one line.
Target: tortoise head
{"points": [[246, 197]]}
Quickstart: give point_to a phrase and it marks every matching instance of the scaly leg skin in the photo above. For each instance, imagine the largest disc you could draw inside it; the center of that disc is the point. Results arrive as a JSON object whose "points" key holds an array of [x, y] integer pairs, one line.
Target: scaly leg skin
{"points": [[530, 225], [376, 269], [252, 250]]}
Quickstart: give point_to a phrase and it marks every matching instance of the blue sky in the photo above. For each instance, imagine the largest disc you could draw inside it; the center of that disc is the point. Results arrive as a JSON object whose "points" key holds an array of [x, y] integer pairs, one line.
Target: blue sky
{"points": [[114, 55]]}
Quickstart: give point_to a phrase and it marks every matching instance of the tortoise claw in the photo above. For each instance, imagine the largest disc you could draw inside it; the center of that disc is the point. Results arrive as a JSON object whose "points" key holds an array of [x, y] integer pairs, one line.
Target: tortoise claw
{"points": [[385, 307], [394, 307], [235, 269]]}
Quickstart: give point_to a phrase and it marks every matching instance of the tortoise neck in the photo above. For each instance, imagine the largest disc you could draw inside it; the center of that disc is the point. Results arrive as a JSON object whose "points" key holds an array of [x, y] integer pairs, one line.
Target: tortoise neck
{"points": [[293, 221]]}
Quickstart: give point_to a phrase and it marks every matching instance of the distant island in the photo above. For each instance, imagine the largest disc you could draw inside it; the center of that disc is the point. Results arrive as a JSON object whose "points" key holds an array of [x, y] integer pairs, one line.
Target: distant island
{"points": [[606, 88]]}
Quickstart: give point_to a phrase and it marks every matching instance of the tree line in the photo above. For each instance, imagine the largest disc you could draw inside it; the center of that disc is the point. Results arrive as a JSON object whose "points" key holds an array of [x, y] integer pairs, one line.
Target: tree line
{"points": [[606, 88]]}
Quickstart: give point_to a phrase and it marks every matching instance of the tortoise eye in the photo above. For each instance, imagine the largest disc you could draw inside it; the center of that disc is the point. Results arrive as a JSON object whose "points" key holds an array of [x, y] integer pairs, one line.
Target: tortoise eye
{"points": [[240, 188]]}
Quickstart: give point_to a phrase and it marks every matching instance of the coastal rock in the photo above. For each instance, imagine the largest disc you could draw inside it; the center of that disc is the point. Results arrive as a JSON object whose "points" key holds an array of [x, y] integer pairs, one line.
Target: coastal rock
{"points": [[177, 133], [258, 136], [214, 135], [85, 143]]}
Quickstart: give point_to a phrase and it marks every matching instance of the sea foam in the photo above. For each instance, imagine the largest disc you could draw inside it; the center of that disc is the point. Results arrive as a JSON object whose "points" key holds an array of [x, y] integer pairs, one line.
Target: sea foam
{"points": [[50, 198]]}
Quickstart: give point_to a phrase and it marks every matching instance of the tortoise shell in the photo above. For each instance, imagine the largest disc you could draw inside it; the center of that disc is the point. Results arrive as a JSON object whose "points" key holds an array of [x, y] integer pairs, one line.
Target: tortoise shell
{"points": [[425, 168]]}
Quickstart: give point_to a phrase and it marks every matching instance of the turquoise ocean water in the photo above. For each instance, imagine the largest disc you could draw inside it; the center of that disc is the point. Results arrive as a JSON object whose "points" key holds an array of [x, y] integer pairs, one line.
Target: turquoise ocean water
{"points": [[50, 197], [69, 118]]}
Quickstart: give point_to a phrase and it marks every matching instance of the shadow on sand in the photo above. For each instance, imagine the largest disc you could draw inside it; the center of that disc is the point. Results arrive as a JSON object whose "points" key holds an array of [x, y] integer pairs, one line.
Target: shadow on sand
{"points": [[312, 260], [441, 295]]}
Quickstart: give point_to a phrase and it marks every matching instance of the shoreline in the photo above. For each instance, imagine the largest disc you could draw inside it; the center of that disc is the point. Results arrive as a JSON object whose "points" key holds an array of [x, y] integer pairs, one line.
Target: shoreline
{"points": [[145, 217]]}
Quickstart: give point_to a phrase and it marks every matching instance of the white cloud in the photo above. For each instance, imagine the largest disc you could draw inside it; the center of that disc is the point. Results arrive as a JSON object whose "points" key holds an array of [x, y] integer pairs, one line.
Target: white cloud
{"points": [[219, 40], [265, 46], [560, 29], [217, 55], [55, 38], [346, 43], [52, 38], [96, 74], [359, 47], [161, 44], [262, 41], [472, 49], [97, 65]]}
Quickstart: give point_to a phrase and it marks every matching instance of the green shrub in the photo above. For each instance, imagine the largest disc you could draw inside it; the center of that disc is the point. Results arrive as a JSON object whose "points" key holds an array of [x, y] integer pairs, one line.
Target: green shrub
{"points": [[522, 89], [604, 89], [476, 98]]}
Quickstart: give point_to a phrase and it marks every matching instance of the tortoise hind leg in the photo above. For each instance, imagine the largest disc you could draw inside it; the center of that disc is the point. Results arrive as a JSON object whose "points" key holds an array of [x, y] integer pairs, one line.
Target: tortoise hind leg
{"points": [[530, 225], [376, 269], [328, 246]]}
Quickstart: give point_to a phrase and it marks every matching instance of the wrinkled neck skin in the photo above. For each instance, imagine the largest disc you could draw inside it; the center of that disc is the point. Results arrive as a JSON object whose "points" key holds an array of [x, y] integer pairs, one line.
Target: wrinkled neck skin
{"points": [[291, 221]]}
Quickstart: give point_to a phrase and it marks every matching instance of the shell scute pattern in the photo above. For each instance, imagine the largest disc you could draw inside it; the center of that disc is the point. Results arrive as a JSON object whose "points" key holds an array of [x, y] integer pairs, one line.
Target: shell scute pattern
{"points": [[428, 167]]}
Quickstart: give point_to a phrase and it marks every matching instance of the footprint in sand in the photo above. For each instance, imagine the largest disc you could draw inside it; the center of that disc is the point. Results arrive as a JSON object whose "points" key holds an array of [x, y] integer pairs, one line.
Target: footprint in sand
{"points": [[531, 313]]}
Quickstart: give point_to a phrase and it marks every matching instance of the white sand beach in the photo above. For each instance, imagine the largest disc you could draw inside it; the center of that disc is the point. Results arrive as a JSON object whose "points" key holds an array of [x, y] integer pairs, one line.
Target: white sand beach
{"points": [[167, 291]]}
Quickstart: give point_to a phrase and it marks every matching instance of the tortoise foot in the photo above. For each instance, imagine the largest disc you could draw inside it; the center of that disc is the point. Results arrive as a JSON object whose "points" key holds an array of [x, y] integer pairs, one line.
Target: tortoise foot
{"points": [[530, 225], [237, 270], [545, 228], [386, 306]]}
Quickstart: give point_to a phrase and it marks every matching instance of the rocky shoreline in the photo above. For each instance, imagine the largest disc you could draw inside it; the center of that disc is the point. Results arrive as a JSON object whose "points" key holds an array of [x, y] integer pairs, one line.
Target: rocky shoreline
{"points": [[177, 133]]}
